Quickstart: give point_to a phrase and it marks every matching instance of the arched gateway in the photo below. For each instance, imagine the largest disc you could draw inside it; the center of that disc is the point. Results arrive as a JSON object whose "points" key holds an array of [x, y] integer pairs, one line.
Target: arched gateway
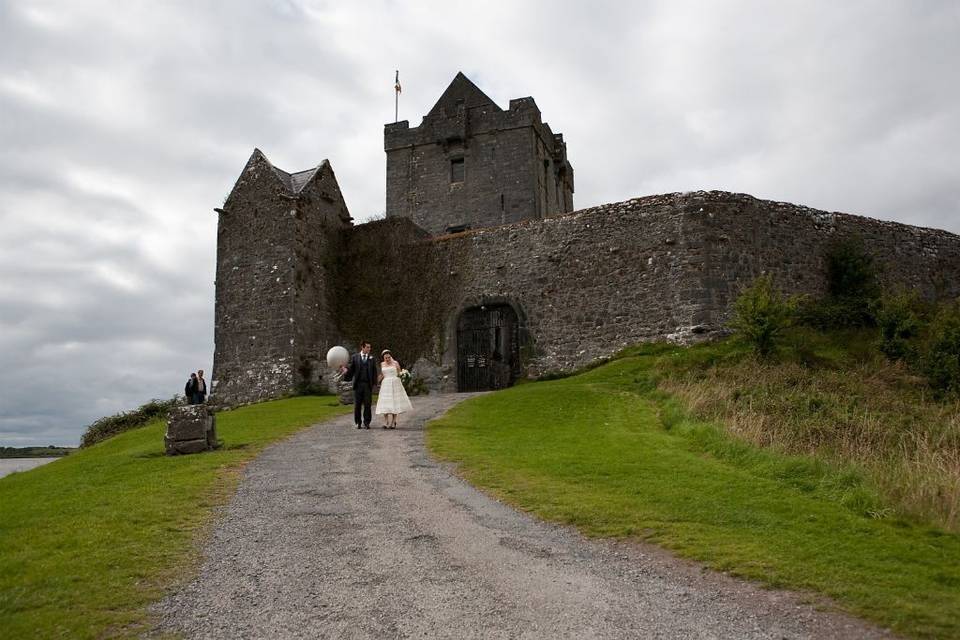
{"points": [[488, 348]]}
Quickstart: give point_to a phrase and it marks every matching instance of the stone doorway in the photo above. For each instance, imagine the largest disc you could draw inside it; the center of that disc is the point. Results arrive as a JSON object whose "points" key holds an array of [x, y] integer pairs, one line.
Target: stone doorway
{"points": [[488, 348]]}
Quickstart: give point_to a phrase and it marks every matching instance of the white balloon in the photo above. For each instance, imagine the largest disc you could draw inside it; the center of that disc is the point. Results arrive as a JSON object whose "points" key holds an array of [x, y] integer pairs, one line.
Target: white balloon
{"points": [[337, 357]]}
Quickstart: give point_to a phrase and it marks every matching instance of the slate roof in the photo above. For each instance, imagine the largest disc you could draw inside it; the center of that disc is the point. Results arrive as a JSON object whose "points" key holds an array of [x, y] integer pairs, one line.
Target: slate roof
{"points": [[294, 182]]}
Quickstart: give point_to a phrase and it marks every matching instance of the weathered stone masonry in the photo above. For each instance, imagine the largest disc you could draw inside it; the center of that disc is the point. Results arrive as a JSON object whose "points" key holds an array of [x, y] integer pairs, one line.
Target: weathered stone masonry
{"points": [[651, 268], [273, 320], [294, 276], [511, 165]]}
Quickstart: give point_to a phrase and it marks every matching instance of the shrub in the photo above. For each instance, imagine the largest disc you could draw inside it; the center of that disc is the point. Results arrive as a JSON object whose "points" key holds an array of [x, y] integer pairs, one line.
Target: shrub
{"points": [[898, 316], [415, 386], [941, 357], [851, 270], [852, 288], [761, 314], [110, 426], [318, 388]]}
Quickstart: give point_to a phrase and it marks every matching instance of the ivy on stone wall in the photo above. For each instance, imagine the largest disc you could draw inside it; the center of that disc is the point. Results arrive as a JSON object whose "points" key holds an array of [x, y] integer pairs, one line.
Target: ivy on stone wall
{"points": [[396, 288]]}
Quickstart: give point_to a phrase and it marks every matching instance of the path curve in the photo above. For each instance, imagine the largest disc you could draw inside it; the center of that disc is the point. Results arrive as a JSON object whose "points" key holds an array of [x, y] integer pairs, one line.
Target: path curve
{"points": [[340, 533]]}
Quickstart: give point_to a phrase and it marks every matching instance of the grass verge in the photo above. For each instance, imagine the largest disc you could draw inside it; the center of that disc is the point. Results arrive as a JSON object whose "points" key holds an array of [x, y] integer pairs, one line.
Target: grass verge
{"points": [[88, 541], [610, 453]]}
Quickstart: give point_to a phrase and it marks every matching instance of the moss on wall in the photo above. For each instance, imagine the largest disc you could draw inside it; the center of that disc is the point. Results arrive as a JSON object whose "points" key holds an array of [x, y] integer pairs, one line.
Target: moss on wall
{"points": [[396, 288]]}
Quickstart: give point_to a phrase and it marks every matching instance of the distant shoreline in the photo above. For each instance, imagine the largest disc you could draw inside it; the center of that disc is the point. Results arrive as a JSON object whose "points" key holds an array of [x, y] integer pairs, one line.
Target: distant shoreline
{"points": [[7, 453]]}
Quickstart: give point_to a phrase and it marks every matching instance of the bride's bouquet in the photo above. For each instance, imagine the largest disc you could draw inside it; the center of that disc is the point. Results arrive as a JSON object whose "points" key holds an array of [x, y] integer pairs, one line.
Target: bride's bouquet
{"points": [[404, 376]]}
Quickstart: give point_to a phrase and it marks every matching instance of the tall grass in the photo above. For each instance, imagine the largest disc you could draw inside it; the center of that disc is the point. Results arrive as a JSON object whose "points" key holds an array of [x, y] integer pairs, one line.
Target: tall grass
{"points": [[833, 396]]}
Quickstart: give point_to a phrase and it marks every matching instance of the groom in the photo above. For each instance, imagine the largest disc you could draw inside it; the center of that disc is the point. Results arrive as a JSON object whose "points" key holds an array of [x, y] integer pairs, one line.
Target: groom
{"points": [[363, 372]]}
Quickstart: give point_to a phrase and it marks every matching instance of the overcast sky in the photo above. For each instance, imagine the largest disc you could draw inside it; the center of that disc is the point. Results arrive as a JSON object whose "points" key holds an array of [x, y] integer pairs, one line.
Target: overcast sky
{"points": [[125, 123]]}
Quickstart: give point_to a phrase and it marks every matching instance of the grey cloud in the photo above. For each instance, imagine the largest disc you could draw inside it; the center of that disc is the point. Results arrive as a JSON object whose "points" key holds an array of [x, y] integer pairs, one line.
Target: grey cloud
{"points": [[124, 125]]}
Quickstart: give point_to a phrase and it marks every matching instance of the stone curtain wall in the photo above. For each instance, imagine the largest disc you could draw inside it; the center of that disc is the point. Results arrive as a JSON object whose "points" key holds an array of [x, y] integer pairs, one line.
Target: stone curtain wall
{"points": [[661, 267], [743, 237], [586, 284]]}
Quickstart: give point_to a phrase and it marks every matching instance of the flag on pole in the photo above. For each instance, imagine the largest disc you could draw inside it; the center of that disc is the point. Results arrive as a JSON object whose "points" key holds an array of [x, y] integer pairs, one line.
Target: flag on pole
{"points": [[396, 85]]}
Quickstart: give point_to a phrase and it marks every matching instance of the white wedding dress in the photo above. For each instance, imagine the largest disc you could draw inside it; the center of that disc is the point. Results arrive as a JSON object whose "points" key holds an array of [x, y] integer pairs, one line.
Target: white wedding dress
{"points": [[393, 397]]}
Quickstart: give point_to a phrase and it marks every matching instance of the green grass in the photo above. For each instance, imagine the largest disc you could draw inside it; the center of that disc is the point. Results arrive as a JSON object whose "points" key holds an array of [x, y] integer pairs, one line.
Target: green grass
{"points": [[836, 396], [88, 541], [609, 453]]}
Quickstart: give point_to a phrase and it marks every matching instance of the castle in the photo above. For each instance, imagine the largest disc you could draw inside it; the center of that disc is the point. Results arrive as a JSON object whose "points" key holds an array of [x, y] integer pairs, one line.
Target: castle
{"points": [[482, 272]]}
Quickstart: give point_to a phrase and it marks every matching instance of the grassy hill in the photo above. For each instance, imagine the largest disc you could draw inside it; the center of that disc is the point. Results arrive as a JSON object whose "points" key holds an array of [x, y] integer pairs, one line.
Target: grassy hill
{"points": [[90, 540], [827, 470]]}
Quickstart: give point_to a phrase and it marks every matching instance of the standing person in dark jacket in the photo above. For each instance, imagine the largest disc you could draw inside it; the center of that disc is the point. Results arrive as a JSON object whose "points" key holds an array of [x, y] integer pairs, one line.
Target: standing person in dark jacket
{"points": [[190, 389], [363, 371]]}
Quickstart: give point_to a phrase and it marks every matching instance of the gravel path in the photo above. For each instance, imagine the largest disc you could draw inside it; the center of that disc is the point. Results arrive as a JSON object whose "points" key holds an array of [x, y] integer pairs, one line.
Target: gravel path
{"points": [[340, 533]]}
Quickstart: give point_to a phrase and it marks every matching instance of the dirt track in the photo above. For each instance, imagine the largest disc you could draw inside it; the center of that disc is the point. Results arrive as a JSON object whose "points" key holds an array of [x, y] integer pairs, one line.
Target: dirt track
{"points": [[340, 533]]}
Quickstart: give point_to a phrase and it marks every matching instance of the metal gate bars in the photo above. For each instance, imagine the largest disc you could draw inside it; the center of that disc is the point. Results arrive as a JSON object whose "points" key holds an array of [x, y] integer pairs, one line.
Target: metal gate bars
{"points": [[488, 348]]}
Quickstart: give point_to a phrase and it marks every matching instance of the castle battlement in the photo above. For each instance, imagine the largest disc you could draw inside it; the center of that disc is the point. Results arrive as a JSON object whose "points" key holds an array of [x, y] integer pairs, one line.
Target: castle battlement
{"points": [[471, 164]]}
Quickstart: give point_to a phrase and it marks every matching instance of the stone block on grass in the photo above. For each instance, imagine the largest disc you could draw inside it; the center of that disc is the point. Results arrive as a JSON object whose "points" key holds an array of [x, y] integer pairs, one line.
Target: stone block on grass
{"points": [[190, 429]]}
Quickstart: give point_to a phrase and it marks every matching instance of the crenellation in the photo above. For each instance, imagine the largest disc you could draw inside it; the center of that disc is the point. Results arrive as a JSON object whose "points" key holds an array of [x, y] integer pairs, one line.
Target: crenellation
{"points": [[470, 164]]}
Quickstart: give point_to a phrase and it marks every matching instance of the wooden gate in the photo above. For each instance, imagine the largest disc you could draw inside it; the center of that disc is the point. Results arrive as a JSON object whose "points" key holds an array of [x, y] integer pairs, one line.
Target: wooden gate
{"points": [[488, 348]]}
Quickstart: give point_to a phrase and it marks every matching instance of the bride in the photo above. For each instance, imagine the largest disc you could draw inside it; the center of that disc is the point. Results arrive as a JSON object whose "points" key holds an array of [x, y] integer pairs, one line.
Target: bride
{"points": [[393, 398]]}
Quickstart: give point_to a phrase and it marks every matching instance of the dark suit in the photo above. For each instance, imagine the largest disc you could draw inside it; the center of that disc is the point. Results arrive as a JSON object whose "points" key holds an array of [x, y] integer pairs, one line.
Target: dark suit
{"points": [[364, 376]]}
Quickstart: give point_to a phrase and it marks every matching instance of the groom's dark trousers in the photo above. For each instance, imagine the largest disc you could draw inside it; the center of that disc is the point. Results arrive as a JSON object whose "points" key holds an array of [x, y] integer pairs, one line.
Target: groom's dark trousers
{"points": [[362, 397], [364, 376]]}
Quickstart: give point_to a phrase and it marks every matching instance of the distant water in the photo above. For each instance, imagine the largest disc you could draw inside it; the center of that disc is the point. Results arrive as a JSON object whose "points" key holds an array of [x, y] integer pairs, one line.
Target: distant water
{"points": [[9, 465]]}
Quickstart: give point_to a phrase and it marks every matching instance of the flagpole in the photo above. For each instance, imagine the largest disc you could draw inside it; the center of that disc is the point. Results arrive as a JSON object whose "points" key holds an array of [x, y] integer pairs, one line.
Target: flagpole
{"points": [[396, 96]]}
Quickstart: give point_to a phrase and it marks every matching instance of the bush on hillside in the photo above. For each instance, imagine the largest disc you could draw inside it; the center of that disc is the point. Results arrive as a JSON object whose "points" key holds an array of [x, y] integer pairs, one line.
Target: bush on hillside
{"points": [[852, 288], [110, 426], [941, 357], [318, 388], [761, 313], [851, 270], [899, 317]]}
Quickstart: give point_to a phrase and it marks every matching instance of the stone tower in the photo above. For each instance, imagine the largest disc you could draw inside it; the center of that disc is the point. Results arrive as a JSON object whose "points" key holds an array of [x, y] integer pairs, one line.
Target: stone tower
{"points": [[274, 319], [470, 164]]}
